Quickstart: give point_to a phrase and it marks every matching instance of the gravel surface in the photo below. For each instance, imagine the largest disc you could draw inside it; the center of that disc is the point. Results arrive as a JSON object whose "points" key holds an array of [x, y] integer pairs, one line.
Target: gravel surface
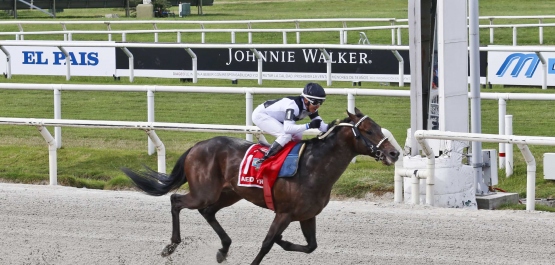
{"points": [[64, 225]]}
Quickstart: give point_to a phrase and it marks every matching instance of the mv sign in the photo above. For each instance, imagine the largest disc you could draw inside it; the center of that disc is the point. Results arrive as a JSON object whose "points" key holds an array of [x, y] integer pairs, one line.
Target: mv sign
{"points": [[37, 60], [520, 68]]}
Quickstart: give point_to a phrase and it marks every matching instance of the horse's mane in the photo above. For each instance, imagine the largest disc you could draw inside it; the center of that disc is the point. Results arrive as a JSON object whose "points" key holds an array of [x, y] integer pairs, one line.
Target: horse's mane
{"points": [[330, 126]]}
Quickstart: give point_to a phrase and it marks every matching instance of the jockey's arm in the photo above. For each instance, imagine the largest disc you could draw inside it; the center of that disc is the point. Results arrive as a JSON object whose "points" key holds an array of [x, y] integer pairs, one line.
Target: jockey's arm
{"points": [[290, 127], [323, 125]]}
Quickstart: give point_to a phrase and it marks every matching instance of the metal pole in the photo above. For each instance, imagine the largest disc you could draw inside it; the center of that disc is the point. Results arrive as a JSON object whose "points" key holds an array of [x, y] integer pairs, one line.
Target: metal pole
{"points": [[508, 146], [248, 113], [150, 117], [502, 113], [58, 115], [475, 111]]}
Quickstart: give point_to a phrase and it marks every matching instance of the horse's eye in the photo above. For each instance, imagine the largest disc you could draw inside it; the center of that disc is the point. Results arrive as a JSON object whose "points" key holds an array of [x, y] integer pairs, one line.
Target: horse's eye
{"points": [[369, 132]]}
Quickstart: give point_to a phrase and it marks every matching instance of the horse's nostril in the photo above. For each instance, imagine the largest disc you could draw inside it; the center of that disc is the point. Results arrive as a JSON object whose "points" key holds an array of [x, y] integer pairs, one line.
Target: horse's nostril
{"points": [[394, 154]]}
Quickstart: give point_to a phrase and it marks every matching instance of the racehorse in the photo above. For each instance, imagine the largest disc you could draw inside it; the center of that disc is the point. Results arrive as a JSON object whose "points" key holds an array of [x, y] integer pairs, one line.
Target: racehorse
{"points": [[211, 168]]}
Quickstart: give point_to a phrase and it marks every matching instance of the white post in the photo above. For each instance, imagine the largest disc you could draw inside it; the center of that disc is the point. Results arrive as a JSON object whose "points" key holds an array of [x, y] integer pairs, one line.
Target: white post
{"points": [[491, 31], [109, 35], [544, 68], [351, 109], [530, 177], [160, 150], [284, 34], [341, 40], [179, 37], [8, 62], [52, 154], [150, 114], [415, 191], [328, 65], [514, 36], [541, 31], [393, 33], [155, 36], [298, 33], [260, 71], [502, 113], [68, 62], [401, 68], [248, 113], [344, 36], [509, 146], [58, 115], [233, 37]]}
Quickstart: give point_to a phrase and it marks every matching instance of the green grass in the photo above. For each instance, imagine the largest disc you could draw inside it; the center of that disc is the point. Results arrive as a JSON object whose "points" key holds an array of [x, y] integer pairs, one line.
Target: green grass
{"points": [[92, 157]]}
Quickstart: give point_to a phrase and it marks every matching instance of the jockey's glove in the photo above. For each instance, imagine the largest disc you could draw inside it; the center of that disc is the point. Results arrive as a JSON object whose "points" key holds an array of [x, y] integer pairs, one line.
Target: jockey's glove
{"points": [[314, 124]]}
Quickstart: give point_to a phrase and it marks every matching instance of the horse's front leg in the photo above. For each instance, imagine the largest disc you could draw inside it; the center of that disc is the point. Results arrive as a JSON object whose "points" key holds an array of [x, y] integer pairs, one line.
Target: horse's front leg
{"points": [[280, 223], [176, 232], [309, 231]]}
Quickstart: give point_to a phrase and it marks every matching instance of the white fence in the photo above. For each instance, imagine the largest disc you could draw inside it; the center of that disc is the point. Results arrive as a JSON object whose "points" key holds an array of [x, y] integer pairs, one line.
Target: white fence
{"points": [[203, 30], [342, 33], [396, 32], [521, 141], [393, 26], [155, 143], [57, 89]]}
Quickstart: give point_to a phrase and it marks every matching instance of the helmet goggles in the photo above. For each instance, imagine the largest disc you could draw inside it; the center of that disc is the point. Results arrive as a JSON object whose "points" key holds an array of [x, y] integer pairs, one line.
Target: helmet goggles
{"points": [[315, 101]]}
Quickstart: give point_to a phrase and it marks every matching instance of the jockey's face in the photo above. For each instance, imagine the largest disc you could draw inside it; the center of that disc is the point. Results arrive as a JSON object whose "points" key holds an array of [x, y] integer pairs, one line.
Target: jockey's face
{"points": [[311, 108]]}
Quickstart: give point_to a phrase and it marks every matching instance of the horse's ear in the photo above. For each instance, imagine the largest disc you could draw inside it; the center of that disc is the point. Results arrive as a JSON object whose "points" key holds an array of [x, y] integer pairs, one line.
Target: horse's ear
{"points": [[357, 112], [351, 116]]}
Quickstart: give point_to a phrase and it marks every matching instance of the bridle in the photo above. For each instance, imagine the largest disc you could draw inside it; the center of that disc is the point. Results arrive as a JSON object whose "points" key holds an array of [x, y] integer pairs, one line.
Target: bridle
{"points": [[374, 149]]}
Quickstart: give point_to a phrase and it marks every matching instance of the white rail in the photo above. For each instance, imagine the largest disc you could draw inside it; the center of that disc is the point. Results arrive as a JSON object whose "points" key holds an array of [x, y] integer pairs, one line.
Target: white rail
{"points": [[249, 129], [396, 36], [248, 91], [201, 24], [68, 34], [297, 22], [148, 127], [521, 141], [512, 18]]}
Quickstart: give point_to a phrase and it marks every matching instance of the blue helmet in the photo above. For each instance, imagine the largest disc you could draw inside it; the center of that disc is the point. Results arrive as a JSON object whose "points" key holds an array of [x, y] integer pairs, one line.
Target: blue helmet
{"points": [[314, 93]]}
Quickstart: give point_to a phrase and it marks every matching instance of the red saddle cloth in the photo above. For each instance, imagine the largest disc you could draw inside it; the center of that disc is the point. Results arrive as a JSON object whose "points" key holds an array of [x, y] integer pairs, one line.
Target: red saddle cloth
{"points": [[266, 174]]}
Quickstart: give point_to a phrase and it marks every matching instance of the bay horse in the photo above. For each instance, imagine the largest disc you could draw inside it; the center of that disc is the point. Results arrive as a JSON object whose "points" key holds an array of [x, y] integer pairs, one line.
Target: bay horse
{"points": [[211, 168]]}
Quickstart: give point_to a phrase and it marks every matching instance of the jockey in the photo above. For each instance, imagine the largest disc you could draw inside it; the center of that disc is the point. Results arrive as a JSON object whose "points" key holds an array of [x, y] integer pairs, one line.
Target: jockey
{"points": [[277, 117]]}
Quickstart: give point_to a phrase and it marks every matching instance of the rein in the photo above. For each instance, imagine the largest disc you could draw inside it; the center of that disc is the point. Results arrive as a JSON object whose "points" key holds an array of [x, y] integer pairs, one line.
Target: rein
{"points": [[374, 150]]}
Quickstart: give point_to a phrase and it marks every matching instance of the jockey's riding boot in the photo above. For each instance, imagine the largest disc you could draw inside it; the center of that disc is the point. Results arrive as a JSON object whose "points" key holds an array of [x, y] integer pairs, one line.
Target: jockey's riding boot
{"points": [[274, 149]]}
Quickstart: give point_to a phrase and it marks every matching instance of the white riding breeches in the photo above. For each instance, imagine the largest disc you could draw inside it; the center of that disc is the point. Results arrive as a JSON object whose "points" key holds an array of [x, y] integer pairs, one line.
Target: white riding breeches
{"points": [[270, 125]]}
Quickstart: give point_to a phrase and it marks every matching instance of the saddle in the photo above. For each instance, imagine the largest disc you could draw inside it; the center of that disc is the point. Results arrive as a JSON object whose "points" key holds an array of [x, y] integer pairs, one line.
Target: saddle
{"points": [[283, 164]]}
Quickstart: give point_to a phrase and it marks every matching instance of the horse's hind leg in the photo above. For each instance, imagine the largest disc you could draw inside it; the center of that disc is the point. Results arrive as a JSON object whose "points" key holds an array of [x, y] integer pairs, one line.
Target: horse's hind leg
{"points": [[309, 231], [209, 213], [179, 202], [280, 223]]}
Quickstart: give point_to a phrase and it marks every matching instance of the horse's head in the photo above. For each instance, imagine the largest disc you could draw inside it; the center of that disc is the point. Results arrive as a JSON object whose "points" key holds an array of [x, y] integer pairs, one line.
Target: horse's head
{"points": [[370, 140]]}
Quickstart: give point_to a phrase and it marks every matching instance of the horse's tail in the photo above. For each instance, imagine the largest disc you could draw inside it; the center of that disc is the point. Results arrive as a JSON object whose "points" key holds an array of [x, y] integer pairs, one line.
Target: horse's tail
{"points": [[157, 184]]}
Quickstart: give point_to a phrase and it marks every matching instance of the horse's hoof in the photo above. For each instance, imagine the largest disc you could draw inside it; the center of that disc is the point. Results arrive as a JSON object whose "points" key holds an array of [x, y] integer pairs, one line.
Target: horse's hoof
{"points": [[169, 249], [220, 256]]}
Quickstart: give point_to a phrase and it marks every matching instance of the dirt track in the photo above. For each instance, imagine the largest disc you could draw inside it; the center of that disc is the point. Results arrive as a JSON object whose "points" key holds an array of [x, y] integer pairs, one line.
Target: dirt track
{"points": [[62, 225]]}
